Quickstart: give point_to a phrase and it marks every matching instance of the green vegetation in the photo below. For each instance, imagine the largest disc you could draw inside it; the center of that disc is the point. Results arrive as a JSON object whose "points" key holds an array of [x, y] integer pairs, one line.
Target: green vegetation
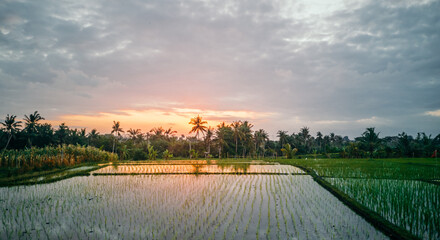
{"points": [[39, 159], [398, 168], [370, 174], [412, 205], [402, 191], [235, 140], [288, 151]]}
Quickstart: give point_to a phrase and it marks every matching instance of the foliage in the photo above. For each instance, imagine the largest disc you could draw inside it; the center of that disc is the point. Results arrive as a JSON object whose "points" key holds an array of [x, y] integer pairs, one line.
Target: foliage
{"points": [[167, 155], [288, 151], [51, 157], [225, 141], [198, 126], [152, 154]]}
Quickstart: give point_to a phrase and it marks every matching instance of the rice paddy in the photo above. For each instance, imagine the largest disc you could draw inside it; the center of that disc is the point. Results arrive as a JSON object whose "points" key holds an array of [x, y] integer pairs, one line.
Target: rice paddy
{"points": [[199, 168], [413, 205], [280, 205], [403, 191]]}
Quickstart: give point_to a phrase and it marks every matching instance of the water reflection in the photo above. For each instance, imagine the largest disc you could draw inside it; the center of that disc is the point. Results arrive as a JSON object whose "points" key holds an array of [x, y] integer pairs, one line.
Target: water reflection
{"points": [[199, 168], [234, 167]]}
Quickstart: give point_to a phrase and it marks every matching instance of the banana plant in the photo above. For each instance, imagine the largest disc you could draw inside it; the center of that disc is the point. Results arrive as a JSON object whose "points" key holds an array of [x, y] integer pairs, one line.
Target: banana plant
{"points": [[288, 151]]}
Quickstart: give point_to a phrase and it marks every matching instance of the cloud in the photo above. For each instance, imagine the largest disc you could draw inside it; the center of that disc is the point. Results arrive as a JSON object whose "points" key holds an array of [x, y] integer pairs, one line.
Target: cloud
{"points": [[285, 64], [435, 113]]}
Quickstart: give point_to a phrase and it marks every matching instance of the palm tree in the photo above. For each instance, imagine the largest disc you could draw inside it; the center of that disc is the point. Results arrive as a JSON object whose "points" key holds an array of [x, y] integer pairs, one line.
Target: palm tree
{"points": [[208, 139], [11, 126], [370, 140], [332, 139], [31, 125], [158, 131], [236, 126], [260, 138], [198, 126], [134, 133], [283, 137], [62, 133], [118, 130], [319, 139], [245, 135], [92, 136], [305, 137], [169, 132], [221, 137]]}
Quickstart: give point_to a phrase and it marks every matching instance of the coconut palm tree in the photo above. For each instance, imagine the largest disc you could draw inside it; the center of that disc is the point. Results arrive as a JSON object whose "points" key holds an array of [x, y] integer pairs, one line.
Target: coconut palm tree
{"points": [[283, 137], [305, 137], [221, 137], [134, 133], [169, 133], [370, 140], [208, 139], [11, 126], [246, 135], [260, 138], [319, 139], [198, 126], [92, 136], [236, 127], [158, 131], [31, 122], [117, 130]]}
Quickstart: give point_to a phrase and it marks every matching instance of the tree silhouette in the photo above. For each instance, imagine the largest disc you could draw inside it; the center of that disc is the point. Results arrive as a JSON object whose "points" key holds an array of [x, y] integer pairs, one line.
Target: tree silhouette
{"points": [[236, 127], [118, 130], [11, 126], [208, 139], [221, 133], [92, 136], [260, 138], [370, 140], [245, 135], [31, 123], [282, 136]]}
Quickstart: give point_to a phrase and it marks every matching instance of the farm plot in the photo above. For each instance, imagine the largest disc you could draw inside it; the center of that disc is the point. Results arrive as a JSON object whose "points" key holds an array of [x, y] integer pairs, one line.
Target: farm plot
{"points": [[184, 206], [199, 168], [414, 205]]}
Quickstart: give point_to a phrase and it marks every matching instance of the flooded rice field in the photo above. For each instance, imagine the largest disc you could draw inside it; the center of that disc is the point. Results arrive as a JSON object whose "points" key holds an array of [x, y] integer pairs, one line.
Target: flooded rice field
{"points": [[180, 206]]}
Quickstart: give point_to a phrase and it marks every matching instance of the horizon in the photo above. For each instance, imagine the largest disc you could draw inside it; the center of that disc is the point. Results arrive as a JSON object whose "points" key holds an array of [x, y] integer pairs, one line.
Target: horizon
{"points": [[335, 66], [146, 128]]}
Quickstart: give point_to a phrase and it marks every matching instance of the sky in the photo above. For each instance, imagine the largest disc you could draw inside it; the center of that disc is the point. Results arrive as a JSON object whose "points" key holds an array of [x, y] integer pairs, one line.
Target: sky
{"points": [[334, 66]]}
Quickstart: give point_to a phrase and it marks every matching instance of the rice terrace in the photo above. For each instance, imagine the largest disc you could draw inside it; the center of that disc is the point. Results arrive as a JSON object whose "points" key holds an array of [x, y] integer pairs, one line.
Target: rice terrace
{"points": [[220, 119]]}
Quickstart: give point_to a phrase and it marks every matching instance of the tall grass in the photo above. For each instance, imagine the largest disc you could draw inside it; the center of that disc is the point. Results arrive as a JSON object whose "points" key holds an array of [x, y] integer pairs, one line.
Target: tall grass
{"points": [[52, 157]]}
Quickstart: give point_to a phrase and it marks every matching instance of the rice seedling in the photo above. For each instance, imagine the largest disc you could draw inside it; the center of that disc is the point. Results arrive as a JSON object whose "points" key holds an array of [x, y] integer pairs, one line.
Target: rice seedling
{"points": [[213, 206], [413, 205]]}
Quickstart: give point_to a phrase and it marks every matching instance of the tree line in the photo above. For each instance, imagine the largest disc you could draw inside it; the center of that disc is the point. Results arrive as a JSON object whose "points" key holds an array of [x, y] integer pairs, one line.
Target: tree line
{"points": [[226, 140]]}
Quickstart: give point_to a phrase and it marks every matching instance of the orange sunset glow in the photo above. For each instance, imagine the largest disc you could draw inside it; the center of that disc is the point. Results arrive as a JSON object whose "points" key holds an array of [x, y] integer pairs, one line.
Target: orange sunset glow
{"points": [[177, 119]]}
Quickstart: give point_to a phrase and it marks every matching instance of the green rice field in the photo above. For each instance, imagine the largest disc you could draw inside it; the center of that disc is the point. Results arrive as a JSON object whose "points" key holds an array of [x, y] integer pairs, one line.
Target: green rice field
{"points": [[403, 191]]}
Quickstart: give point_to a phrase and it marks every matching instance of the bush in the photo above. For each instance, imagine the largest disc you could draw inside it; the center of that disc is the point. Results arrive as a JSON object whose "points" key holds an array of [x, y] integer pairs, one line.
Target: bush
{"points": [[139, 154], [51, 157]]}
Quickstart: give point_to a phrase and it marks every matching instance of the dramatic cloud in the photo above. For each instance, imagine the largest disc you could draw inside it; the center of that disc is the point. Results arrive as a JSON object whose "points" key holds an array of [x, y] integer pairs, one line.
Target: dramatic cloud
{"points": [[339, 66]]}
